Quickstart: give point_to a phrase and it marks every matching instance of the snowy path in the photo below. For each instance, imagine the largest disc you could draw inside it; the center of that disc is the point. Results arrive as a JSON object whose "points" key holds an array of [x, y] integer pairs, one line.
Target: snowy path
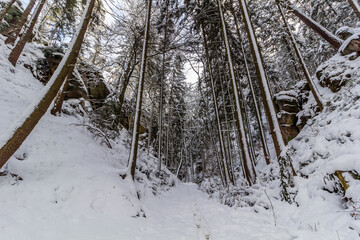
{"points": [[171, 216]]}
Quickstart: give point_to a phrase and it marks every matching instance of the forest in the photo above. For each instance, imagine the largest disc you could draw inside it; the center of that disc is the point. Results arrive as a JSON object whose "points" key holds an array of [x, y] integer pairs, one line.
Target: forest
{"points": [[179, 119]]}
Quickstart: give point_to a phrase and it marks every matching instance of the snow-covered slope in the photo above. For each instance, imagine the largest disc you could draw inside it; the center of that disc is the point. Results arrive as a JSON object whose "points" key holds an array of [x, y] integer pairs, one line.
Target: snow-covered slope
{"points": [[64, 184]]}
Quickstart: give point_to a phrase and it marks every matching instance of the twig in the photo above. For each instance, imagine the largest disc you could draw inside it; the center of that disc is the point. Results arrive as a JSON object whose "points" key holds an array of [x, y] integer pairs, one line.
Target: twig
{"points": [[97, 132]]}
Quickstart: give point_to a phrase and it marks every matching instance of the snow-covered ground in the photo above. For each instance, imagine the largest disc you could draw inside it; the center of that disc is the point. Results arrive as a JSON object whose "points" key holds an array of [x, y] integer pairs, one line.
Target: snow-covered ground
{"points": [[64, 184]]}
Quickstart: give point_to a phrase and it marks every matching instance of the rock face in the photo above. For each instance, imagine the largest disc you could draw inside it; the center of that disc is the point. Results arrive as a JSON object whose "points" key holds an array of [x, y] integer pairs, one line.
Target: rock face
{"points": [[292, 109], [95, 84], [86, 82], [336, 72]]}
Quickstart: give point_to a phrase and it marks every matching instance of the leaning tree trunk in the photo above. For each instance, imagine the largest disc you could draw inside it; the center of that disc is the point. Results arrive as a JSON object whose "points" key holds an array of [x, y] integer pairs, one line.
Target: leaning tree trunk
{"points": [[263, 82], [6, 9], [356, 7], [17, 133], [15, 53], [333, 40], [135, 134], [252, 91], [309, 80], [245, 151], [14, 33]]}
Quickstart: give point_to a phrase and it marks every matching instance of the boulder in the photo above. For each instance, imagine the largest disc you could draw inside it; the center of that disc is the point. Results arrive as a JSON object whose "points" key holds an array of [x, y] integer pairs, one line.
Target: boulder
{"points": [[95, 84]]}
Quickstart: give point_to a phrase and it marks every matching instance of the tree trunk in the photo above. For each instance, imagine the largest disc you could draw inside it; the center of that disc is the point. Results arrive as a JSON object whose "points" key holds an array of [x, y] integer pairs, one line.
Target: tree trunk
{"points": [[252, 91], [15, 53], [126, 79], [239, 119], [160, 113], [356, 7], [150, 126], [56, 110], [220, 136], [135, 134], [334, 41], [309, 80], [6, 9], [14, 33], [263, 82], [22, 128]]}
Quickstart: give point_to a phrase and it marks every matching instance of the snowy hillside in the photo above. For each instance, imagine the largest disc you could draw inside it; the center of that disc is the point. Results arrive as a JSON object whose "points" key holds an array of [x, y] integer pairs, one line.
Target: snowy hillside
{"points": [[64, 184]]}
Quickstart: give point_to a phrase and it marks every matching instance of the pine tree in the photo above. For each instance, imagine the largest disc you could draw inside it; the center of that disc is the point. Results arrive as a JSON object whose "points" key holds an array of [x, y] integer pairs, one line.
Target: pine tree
{"points": [[15, 53], [6, 9], [14, 33]]}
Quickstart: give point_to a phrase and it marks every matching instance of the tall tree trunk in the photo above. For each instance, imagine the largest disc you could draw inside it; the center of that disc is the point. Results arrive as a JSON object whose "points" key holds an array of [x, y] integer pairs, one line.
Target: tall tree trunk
{"points": [[239, 119], [6, 9], [356, 7], [14, 33], [252, 91], [135, 134], [207, 123], [150, 126], [17, 133], [334, 41], [227, 131], [167, 140], [15, 53], [309, 80], [263, 82], [160, 113], [220, 136]]}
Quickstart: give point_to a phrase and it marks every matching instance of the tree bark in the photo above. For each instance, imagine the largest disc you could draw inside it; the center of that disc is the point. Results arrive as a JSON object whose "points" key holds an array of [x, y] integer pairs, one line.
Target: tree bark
{"points": [[14, 33], [15, 53], [22, 128]]}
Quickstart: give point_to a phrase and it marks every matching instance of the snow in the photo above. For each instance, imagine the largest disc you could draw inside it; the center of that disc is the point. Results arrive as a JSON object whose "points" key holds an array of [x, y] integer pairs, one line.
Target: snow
{"points": [[64, 184], [4, 138]]}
